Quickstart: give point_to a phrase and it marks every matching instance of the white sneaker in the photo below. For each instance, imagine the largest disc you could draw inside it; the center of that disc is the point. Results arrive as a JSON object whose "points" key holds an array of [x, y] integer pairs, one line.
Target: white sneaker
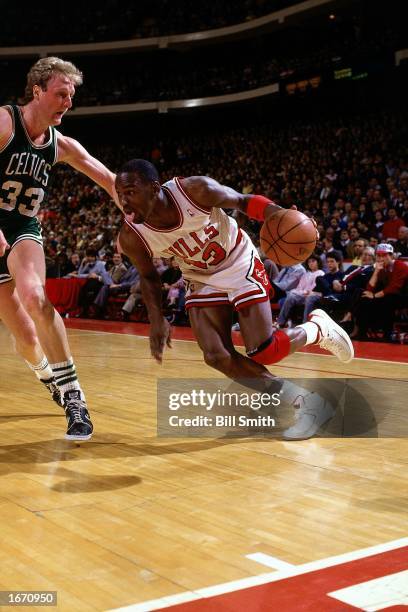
{"points": [[312, 411], [332, 337]]}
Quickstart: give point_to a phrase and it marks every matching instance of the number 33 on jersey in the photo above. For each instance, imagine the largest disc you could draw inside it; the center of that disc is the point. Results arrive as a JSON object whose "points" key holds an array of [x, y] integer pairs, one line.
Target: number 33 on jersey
{"points": [[24, 173]]}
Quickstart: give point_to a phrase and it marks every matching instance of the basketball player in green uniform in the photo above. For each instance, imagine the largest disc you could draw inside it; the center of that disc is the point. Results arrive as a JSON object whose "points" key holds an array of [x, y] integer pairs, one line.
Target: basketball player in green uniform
{"points": [[29, 147]]}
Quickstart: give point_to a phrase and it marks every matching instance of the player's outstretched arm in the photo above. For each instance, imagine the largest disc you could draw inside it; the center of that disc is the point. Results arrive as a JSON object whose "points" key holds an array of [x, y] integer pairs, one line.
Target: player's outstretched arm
{"points": [[6, 126], [150, 284], [73, 153], [209, 193]]}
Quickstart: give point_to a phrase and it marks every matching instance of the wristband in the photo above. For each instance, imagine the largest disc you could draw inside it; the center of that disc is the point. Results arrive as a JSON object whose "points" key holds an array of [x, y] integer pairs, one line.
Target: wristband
{"points": [[256, 207]]}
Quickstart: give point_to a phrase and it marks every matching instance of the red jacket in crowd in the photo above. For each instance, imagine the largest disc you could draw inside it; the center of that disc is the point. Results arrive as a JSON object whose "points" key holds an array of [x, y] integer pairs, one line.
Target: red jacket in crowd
{"points": [[393, 279], [390, 228]]}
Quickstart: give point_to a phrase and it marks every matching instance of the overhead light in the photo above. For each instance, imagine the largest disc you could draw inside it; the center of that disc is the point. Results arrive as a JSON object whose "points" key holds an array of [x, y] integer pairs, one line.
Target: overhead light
{"points": [[332, 16]]}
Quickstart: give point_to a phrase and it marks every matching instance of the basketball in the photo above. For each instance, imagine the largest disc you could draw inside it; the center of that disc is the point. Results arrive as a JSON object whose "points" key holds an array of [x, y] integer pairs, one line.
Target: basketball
{"points": [[288, 237]]}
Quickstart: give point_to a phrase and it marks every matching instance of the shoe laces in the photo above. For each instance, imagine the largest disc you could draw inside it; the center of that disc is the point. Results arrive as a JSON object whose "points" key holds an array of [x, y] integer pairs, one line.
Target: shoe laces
{"points": [[75, 407]]}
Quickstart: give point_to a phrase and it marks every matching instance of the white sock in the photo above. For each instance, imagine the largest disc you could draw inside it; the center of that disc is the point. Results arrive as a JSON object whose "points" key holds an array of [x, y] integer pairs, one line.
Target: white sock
{"points": [[312, 332], [66, 378], [42, 370]]}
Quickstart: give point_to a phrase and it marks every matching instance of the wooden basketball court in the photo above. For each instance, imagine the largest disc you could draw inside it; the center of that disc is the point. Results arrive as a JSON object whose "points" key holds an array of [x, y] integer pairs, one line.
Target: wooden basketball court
{"points": [[129, 518]]}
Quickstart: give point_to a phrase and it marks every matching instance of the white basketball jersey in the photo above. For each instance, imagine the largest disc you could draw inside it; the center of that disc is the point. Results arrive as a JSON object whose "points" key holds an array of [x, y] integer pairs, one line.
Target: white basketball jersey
{"points": [[201, 241]]}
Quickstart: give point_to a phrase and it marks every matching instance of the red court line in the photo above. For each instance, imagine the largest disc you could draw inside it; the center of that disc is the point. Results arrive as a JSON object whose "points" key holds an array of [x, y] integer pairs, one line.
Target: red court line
{"points": [[306, 592], [368, 350]]}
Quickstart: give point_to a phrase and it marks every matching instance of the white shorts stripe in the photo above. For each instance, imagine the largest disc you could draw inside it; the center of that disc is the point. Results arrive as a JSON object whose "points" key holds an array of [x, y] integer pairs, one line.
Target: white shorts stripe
{"points": [[27, 237], [5, 278], [242, 282]]}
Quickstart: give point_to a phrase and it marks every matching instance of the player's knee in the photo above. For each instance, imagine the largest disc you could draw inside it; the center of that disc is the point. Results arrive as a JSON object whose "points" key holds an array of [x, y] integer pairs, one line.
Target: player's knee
{"points": [[24, 335], [25, 341], [273, 350], [219, 360], [36, 303]]}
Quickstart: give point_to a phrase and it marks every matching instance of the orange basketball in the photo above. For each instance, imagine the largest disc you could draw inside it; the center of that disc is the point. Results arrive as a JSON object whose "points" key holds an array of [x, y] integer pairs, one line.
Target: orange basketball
{"points": [[288, 237]]}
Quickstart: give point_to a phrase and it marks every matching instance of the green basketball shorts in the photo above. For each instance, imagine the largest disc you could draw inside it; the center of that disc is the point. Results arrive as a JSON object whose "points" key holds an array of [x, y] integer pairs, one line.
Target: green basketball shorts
{"points": [[30, 230]]}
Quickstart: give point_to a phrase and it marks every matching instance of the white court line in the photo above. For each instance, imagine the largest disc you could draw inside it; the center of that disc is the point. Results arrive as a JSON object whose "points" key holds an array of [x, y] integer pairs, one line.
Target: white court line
{"points": [[269, 561], [106, 333], [93, 331], [236, 585], [377, 594]]}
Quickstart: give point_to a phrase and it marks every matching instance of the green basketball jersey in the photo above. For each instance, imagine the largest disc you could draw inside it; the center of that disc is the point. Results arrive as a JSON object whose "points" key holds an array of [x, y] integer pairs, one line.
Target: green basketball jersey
{"points": [[24, 173]]}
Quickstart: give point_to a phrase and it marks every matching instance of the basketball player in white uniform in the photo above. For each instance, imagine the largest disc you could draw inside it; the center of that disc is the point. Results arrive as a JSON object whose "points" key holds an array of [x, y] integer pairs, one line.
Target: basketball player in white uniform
{"points": [[184, 218]]}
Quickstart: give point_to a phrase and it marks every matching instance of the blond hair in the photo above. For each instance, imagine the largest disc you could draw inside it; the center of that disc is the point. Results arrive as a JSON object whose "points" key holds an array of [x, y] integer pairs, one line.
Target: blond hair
{"points": [[44, 69]]}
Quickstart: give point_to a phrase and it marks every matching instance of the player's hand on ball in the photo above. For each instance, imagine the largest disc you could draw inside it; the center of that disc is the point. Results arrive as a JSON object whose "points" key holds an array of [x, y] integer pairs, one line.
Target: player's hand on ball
{"points": [[160, 336], [288, 237]]}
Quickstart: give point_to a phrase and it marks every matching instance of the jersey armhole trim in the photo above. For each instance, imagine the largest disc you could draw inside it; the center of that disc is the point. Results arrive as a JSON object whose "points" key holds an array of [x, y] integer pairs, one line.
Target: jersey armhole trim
{"points": [[31, 142], [201, 208], [142, 239], [55, 135], [13, 131]]}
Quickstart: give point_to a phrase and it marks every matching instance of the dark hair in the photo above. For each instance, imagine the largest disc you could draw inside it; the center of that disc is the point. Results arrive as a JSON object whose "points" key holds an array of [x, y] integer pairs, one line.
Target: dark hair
{"points": [[316, 258], [336, 255], [91, 253], [143, 168]]}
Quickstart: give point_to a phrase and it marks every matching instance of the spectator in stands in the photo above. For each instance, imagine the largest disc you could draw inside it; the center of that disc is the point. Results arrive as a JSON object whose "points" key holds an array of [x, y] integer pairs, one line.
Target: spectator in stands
{"points": [[134, 298], [391, 226], [342, 242], [173, 294], [377, 227], [116, 282], [72, 266], [135, 295], [383, 294], [354, 236], [93, 270], [325, 285], [90, 265], [116, 270], [358, 249], [159, 265], [286, 280], [305, 286], [373, 242], [401, 246], [353, 283], [176, 303], [170, 277]]}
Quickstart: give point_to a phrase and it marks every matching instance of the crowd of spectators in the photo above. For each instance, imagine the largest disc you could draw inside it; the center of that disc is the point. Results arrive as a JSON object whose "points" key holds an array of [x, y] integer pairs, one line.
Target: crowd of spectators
{"points": [[350, 175], [364, 299], [315, 50], [105, 20]]}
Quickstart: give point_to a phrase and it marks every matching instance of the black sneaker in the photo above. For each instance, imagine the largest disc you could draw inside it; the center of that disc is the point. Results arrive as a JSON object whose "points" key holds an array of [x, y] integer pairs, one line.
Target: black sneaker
{"points": [[79, 424], [53, 388]]}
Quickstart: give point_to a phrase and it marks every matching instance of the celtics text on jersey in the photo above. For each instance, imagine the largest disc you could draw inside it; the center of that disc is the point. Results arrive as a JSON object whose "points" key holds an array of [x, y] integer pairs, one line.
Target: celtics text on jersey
{"points": [[24, 173]]}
